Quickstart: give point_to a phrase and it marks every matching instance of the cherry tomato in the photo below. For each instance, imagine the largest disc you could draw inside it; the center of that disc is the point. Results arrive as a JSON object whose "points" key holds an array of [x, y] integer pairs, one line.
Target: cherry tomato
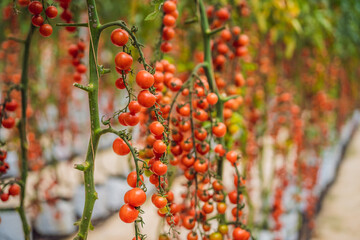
{"points": [[232, 156], [14, 190], [11, 106], [159, 201], [169, 20], [46, 30], [212, 98], [119, 37], [221, 207], [120, 147], [169, 6], [37, 20], [51, 12], [128, 213], [35, 7], [159, 168], [156, 128], [132, 178], [123, 61], [240, 234], [144, 79], [146, 98], [8, 122], [219, 130], [137, 197], [216, 236], [189, 222]]}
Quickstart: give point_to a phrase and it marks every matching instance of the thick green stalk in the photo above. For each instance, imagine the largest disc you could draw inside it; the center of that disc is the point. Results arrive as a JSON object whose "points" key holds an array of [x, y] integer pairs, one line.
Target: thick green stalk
{"points": [[93, 90], [209, 71], [22, 132]]}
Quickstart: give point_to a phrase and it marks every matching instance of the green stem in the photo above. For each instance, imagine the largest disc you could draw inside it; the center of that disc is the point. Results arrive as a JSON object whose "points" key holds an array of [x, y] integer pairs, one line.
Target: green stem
{"points": [[72, 25], [209, 72], [89, 184], [22, 132]]}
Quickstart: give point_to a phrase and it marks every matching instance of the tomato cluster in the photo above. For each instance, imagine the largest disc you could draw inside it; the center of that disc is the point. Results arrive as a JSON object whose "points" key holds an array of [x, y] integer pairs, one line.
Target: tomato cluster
{"points": [[76, 51], [169, 21], [66, 15], [13, 190], [36, 8]]}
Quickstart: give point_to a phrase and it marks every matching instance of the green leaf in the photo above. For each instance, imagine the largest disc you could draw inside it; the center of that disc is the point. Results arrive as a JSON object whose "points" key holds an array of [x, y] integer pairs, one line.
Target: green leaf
{"points": [[157, 9], [152, 16]]}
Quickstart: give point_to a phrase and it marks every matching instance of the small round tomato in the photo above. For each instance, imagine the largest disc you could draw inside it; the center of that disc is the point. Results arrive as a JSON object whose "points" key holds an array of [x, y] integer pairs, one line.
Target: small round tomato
{"points": [[131, 119], [132, 178], [119, 37], [146, 98], [144, 79], [159, 201], [169, 20], [120, 147], [170, 196], [51, 12], [219, 130], [156, 128], [81, 68], [232, 156], [212, 98], [37, 20], [46, 30], [217, 185], [128, 213], [159, 146], [189, 222], [35, 7], [11, 106], [159, 168], [223, 229], [225, 35], [168, 33], [200, 134], [169, 6], [192, 236], [216, 236], [166, 47], [240, 234], [208, 207], [235, 212], [221, 207], [4, 197], [123, 61], [23, 3], [8, 122], [223, 14], [137, 197], [119, 83], [14, 190], [134, 107], [187, 161], [200, 166]]}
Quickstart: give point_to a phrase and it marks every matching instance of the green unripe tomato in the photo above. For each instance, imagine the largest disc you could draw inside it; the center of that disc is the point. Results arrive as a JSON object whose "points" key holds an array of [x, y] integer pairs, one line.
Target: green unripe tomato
{"points": [[216, 236], [223, 229]]}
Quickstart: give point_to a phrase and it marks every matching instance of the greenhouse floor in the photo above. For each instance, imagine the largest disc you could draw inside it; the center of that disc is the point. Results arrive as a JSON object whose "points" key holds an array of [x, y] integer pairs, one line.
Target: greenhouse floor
{"points": [[339, 215]]}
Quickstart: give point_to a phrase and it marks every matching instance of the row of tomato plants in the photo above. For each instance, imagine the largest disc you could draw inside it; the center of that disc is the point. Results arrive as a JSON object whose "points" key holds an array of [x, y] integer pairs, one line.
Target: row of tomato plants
{"points": [[191, 121]]}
